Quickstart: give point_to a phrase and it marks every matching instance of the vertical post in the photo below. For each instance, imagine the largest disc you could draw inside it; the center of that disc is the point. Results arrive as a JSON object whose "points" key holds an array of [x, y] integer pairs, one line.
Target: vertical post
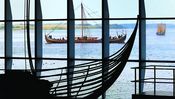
{"points": [[70, 44], [105, 40], [142, 43], [154, 80], [135, 82], [8, 35], [174, 82], [38, 36]]}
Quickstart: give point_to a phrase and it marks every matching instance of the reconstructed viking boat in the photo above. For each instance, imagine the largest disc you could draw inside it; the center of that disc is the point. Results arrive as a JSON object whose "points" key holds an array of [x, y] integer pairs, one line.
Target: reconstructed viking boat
{"points": [[82, 81], [84, 38], [90, 80], [161, 29], [87, 80]]}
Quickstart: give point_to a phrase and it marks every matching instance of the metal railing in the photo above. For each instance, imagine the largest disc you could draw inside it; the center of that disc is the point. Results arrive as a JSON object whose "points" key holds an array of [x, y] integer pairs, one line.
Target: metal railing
{"points": [[153, 76]]}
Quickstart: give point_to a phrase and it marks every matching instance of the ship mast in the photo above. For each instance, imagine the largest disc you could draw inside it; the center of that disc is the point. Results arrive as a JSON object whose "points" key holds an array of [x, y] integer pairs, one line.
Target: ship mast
{"points": [[82, 23]]}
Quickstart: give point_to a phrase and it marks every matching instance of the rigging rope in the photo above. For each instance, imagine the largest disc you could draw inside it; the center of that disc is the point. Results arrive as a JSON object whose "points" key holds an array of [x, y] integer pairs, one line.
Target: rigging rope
{"points": [[52, 30], [93, 12], [86, 10]]}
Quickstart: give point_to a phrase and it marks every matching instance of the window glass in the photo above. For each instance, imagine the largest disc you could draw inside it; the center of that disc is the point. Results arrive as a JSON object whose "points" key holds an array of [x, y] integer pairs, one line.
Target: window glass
{"points": [[47, 64], [123, 8], [17, 8], [19, 39], [91, 32], [163, 70], [54, 9], [1, 66], [160, 40], [87, 9], [55, 31], [160, 8], [120, 31], [2, 39], [20, 64], [1, 9], [123, 88]]}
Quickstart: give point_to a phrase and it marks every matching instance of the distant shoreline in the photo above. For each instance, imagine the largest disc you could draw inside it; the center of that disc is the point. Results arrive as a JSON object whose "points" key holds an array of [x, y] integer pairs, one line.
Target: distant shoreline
{"points": [[59, 26], [78, 26]]}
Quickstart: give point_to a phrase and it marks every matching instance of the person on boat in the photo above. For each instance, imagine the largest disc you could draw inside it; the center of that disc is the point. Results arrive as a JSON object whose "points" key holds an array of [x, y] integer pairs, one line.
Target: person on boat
{"points": [[50, 36], [119, 36], [63, 38]]}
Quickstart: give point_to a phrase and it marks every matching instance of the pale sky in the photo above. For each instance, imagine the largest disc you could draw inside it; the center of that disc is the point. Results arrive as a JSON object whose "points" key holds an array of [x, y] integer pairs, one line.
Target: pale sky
{"points": [[117, 8]]}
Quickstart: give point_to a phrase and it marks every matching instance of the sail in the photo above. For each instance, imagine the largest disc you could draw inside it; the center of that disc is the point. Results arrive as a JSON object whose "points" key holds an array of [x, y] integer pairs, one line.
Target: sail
{"points": [[161, 29]]}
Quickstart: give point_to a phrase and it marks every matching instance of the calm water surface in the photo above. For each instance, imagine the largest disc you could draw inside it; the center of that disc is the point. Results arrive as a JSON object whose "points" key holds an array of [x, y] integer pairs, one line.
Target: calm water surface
{"points": [[158, 47]]}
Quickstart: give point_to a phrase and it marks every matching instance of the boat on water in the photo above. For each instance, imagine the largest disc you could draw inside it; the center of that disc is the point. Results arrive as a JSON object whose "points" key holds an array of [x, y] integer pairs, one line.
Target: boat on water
{"points": [[83, 39], [116, 39], [161, 29], [87, 80], [119, 38]]}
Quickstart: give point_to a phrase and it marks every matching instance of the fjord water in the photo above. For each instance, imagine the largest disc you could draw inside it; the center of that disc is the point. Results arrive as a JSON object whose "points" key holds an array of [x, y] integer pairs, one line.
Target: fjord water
{"points": [[157, 48]]}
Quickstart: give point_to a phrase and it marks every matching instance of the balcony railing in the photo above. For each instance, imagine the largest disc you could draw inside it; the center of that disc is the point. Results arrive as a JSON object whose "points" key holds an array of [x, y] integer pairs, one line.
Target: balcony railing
{"points": [[156, 75]]}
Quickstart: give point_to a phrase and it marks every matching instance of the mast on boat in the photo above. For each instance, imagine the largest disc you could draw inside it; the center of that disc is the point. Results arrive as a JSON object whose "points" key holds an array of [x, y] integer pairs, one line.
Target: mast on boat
{"points": [[82, 22], [84, 37]]}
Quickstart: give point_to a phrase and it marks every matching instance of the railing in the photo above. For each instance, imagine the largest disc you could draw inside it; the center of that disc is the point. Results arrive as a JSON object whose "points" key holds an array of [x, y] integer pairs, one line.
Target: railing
{"points": [[154, 75]]}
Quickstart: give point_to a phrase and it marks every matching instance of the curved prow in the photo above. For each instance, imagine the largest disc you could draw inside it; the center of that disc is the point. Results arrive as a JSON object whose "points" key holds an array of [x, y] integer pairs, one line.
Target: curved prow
{"points": [[88, 81], [116, 65]]}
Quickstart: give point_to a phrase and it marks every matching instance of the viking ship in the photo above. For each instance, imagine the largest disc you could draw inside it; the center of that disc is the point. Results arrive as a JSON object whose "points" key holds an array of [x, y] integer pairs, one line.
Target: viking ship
{"points": [[84, 38], [87, 80], [92, 79], [161, 29]]}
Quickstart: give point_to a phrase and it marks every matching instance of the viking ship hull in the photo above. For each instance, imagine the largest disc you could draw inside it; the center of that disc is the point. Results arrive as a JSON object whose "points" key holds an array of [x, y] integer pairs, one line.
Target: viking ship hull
{"points": [[160, 33], [90, 80], [120, 39], [84, 37]]}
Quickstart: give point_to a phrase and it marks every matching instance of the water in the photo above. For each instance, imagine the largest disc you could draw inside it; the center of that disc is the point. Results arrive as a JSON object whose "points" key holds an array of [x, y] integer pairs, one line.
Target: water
{"points": [[157, 48]]}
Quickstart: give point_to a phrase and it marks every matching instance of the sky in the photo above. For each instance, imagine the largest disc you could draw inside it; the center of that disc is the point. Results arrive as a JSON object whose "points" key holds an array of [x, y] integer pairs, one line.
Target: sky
{"points": [[117, 8]]}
